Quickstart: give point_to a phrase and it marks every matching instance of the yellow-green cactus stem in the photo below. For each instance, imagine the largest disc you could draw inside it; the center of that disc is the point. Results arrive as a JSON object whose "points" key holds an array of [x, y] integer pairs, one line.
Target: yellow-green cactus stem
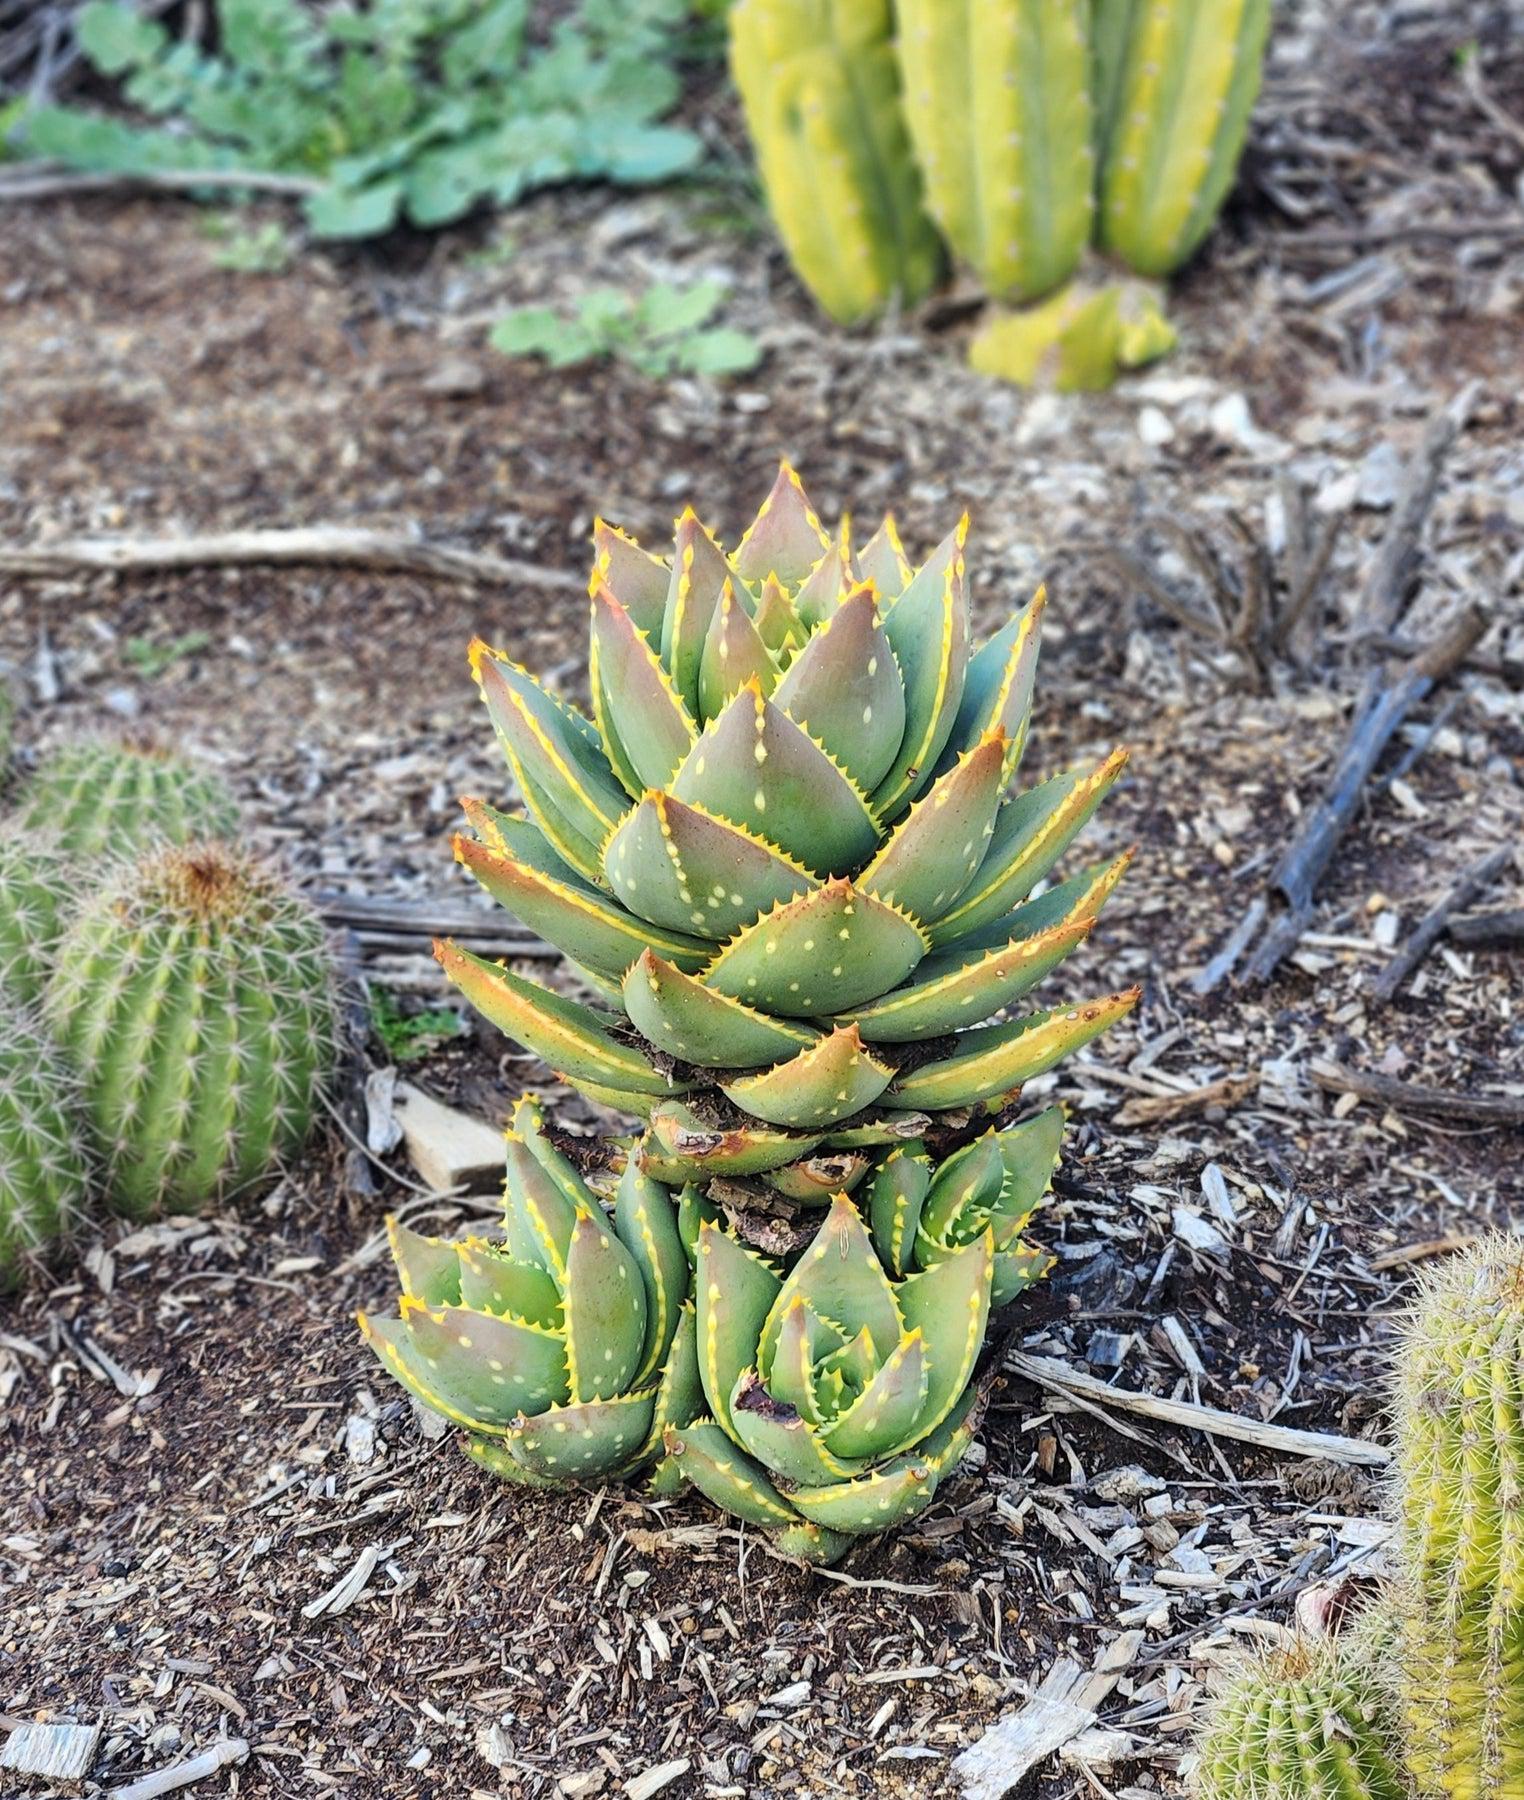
{"points": [[821, 94], [1317, 1721], [1189, 75], [998, 101], [102, 799], [44, 1167], [1077, 341], [1460, 1519], [194, 995]]}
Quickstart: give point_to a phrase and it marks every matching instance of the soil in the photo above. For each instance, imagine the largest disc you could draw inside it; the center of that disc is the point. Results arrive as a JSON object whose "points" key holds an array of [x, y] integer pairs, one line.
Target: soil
{"points": [[193, 1447]]}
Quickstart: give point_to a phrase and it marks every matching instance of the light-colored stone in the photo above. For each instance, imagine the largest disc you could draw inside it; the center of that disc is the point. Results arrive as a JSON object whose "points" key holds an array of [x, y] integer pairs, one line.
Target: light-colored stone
{"points": [[448, 1148], [61, 1752]]}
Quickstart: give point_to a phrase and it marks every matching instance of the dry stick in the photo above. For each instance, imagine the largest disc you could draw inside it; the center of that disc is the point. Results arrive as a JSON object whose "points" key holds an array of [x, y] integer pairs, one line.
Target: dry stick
{"points": [[1377, 721], [1429, 928], [182, 1774], [340, 546], [43, 181], [1059, 1377], [382, 924], [1486, 930], [1410, 1096]]}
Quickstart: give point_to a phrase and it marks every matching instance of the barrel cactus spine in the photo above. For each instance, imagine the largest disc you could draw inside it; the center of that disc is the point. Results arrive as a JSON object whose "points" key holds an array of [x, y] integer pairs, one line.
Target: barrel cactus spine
{"points": [[103, 799], [819, 87], [1459, 1502], [44, 1163], [38, 886], [194, 992], [998, 104]]}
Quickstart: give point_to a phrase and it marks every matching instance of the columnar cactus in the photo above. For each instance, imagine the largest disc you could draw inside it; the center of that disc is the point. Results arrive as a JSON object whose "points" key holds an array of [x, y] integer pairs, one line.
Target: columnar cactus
{"points": [[818, 81], [101, 799], [1185, 77], [195, 996], [1460, 1517], [37, 886], [44, 1168], [998, 102], [566, 1350], [1315, 1722], [784, 846]]}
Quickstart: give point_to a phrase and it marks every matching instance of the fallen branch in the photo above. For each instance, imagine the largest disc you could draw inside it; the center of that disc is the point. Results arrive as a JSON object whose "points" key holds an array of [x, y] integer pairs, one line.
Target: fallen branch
{"points": [[1411, 1096], [1427, 932], [1488, 930], [45, 181], [1285, 1440], [183, 1774], [316, 546]]}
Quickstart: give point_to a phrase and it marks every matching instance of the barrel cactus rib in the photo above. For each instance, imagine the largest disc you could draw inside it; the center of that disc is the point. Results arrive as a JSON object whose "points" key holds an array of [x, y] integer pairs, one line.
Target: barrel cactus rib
{"points": [[44, 1161], [100, 799], [757, 887], [38, 887]]}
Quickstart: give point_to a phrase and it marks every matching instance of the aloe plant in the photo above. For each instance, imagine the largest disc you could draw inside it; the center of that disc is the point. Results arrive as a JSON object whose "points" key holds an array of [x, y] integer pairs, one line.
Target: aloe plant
{"points": [[565, 1350], [44, 1164], [784, 848]]}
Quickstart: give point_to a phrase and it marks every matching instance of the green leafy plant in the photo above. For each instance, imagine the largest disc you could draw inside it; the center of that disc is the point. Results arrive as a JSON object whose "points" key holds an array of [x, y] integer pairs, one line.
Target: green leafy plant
{"points": [[151, 657], [405, 1036], [415, 110], [265, 250], [665, 331]]}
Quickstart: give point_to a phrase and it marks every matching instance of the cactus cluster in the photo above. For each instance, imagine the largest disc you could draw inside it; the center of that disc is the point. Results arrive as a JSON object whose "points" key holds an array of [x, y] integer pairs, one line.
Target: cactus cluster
{"points": [[44, 1166], [100, 799], [1036, 127]]}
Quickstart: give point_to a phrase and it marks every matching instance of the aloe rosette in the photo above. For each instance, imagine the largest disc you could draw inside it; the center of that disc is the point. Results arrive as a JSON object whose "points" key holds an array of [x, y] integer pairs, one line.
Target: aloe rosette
{"points": [[566, 1349], [784, 849], [838, 1398]]}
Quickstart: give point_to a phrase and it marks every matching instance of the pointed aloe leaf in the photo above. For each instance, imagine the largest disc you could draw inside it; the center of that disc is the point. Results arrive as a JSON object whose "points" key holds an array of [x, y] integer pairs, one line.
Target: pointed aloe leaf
{"points": [[587, 1439], [938, 846], [812, 1545], [996, 1059], [647, 1224], [786, 538], [489, 1368], [701, 1025], [997, 692], [1016, 1270], [491, 1282], [840, 1277], [682, 867], [895, 1198], [1031, 832], [949, 1304], [844, 688], [889, 1408], [727, 1476], [891, 1495], [682, 1147], [802, 1339], [495, 1455], [680, 1394], [821, 591], [733, 1292], [605, 1305], [822, 953], [429, 1268], [945, 1000], [645, 727], [528, 1125], [571, 1038], [565, 780], [734, 655], [883, 561], [636, 579], [1070, 902], [755, 767], [510, 835], [585, 925], [1030, 1152], [779, 627], [832, 1079], [699, 575], [613, 1099], [963, 1191], [695, 1210], [787, 1445], [538, 1214]]}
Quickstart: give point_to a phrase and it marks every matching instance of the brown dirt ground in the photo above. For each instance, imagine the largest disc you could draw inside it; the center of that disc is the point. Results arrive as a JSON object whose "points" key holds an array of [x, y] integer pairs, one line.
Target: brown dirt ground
{"points": [[159, 1538]]}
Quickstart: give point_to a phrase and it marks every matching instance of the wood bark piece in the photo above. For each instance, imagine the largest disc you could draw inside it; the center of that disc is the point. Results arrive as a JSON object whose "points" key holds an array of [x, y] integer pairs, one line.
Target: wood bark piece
{"points": [[183, 1774], [1283, 1439], [1430, 927], [1487, 930], [314, 546], [57, 1752], [1413, 1097], [380, 923], [451, 1150]]}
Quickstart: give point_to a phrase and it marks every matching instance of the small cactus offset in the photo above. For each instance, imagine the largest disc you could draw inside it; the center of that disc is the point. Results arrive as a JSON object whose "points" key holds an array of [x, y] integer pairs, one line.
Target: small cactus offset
{"points": [[566, 1350], [1077, 341], [998, 102], [1315, 1722], [44, 1168], [194, 994], [818, 82], [1460, 1519], [101, 799], [37, 887], [1185, 74]]}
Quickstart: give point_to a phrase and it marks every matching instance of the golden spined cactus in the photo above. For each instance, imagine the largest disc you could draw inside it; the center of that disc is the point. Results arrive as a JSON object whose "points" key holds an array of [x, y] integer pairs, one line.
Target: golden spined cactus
{"points": [[997, 98], [1184, 75], [1460, 1520], [821, 93]]}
